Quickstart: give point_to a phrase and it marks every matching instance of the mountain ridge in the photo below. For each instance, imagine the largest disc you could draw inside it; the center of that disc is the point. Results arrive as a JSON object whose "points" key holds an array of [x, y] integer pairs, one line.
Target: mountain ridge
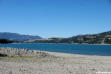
{"points": [[100, 38], [17, 36]]}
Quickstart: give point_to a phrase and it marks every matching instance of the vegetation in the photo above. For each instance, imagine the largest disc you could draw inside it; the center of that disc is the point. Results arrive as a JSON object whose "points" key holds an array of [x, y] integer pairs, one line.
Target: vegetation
{"points": [[5, 41], [101, 38]]}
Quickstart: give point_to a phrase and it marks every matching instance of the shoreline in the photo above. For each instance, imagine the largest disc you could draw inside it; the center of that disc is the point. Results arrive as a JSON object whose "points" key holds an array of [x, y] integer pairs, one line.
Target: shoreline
{"points": [[39, 50], [61, 43]]}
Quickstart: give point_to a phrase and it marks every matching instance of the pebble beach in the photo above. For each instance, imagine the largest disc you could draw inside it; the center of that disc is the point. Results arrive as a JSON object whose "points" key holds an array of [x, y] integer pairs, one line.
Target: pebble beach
{"points": [[24, 61]]}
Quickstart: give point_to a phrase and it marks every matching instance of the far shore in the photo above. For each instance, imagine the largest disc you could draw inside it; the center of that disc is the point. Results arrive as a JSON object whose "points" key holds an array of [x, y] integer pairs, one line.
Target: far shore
{"points": [[58, 43]]}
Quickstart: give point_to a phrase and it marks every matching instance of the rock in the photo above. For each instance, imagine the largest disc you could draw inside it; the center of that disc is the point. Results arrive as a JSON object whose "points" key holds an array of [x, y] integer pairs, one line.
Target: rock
{"points": [[21, 52]]}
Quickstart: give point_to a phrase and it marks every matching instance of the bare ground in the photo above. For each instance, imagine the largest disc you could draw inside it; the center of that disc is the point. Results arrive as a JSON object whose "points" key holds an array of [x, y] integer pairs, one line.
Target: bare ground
{"points": [[55, 63]]}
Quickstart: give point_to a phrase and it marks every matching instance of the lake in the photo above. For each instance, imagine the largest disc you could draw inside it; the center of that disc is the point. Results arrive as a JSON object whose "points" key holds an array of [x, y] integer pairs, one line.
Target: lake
{"points": [[86, 49]]}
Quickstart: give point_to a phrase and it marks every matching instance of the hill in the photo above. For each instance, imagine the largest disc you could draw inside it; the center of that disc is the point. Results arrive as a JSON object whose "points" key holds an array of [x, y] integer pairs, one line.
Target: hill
{"points": [[101, 38], [17, 37]]}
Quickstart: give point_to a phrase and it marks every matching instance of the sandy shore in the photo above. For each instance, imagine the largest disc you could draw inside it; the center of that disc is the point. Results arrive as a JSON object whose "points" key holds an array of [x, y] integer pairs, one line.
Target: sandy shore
{"points": [[51, 63]]}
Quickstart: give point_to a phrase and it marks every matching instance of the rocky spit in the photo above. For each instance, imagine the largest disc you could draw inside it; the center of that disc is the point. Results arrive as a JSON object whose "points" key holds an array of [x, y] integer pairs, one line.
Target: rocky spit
{"points": [[24, 61], [21, 52]]}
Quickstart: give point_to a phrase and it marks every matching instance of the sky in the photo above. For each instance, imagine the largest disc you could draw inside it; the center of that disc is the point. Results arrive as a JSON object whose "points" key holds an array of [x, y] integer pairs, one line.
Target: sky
{"points": [[55, 18]]}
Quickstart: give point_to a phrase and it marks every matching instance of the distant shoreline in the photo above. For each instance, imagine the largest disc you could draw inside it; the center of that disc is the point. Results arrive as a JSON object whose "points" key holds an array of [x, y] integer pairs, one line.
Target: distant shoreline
{"points": [[59, 43]]}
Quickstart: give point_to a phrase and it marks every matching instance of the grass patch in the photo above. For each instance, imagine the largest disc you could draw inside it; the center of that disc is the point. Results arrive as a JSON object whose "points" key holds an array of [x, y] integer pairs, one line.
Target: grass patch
{"points": [[16, 57], [19, 58]]}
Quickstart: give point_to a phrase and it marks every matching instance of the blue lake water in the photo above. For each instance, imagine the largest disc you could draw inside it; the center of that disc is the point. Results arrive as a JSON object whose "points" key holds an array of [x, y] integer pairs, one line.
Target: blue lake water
{"points": [[66, 48]]}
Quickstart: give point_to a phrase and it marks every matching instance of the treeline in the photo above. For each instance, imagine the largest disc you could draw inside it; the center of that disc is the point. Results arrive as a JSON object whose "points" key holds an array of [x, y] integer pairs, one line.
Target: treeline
{"points": [[5, 41]]}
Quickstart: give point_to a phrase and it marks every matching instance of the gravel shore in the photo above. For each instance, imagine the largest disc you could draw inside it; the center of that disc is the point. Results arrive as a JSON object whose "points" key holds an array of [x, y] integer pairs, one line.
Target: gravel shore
{"points": [[23, 61]]}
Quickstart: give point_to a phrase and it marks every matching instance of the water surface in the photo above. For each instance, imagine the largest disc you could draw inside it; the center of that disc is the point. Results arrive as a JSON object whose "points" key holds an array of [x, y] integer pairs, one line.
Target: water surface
{"points": [[66, 48]]}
